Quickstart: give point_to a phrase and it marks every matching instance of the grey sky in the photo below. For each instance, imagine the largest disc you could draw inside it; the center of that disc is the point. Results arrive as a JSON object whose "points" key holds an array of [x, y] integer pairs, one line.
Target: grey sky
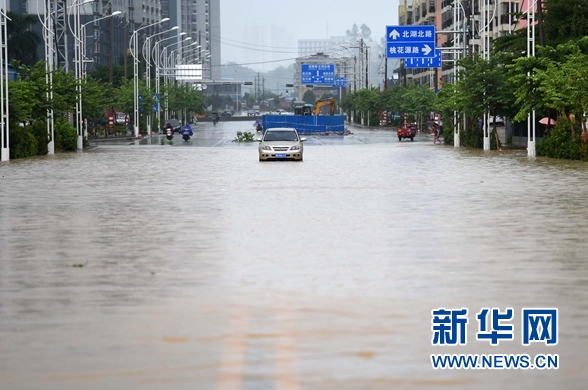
{"points": [[262, 32]]}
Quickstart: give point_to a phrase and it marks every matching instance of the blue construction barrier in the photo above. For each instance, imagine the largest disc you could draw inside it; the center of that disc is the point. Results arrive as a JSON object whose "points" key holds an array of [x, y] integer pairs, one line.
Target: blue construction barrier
{"points": [[306, 124]]}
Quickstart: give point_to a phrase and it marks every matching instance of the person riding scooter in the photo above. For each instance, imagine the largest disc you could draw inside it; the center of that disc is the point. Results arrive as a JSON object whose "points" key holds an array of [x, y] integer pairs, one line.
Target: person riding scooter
{"points": [[169, 132], [186, 132]]}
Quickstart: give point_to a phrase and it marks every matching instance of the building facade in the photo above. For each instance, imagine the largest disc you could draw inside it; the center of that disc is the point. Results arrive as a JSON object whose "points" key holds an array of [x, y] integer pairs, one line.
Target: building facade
{"points": [[200, 20], [106, 41], [460, 26]]}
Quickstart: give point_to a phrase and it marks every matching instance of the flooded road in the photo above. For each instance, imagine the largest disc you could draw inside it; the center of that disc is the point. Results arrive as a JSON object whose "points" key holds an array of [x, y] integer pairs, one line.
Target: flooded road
{"points": [[194, 266]]}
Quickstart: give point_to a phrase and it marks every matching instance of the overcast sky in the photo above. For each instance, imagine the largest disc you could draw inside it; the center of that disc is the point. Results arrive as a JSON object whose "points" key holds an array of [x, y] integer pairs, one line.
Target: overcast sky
{"points": [[260, 33]]}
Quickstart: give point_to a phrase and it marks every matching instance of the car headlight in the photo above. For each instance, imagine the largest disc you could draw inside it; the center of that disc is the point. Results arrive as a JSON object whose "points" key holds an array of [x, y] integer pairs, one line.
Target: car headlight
{"points": [[266, 148], [295, 148]]}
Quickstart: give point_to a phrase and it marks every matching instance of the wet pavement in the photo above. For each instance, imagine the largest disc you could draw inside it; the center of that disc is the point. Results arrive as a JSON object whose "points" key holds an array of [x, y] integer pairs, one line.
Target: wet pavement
{"points": [[194, 266]]}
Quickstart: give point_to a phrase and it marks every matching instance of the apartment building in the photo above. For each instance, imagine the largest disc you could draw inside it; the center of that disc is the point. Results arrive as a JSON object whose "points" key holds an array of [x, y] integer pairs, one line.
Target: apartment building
{"points": [[200, 20], [107, 39], [460, 26]]}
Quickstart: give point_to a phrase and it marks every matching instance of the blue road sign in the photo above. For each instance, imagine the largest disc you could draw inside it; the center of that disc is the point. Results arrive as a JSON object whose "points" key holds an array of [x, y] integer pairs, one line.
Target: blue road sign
{"points": [[410, 41], [317, 74], [413, 50], [424, 62], [340, 82]]}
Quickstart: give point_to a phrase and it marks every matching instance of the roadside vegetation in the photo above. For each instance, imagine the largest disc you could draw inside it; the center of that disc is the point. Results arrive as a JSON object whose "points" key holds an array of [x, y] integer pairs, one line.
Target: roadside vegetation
{"points": [[103, 94], [509, 85]]}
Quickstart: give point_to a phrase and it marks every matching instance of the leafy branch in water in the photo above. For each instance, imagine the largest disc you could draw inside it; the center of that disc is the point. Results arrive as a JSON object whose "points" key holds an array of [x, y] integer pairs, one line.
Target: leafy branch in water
{"points": [[244, 137]]}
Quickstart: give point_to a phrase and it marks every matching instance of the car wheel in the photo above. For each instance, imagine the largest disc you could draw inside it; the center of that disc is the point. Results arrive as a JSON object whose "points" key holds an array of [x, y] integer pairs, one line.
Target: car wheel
{"points": [[412, 138], [399, 139]]}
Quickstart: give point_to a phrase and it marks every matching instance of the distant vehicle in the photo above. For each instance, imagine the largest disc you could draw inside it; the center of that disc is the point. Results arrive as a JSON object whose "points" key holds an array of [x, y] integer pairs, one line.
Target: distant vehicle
{"points": [[121, 118], [406, 132], [280, 143], [305, 109], [252, 112], [280, 111], [227, 113], [176, 125]]}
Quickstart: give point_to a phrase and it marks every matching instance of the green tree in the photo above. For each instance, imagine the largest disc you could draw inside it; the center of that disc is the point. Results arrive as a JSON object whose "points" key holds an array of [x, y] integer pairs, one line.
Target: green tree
{"points": [[565, 20], [564, 84], [353, 33], [96, 95], [228, 101], [366, 32], [309, 97]]}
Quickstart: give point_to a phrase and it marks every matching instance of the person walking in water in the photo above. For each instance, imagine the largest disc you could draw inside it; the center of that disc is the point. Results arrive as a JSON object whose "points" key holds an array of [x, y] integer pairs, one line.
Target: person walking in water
{"points": [[436, 134]]}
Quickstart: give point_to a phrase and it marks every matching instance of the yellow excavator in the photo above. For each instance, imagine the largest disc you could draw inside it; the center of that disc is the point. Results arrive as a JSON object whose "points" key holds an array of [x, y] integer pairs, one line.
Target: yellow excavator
{"points": [[307, 109], [325, 102]]}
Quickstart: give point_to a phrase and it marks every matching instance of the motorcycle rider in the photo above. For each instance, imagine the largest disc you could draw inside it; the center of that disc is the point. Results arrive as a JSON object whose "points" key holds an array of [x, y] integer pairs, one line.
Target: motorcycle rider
{"points": [[169, 131], [186, 132]]}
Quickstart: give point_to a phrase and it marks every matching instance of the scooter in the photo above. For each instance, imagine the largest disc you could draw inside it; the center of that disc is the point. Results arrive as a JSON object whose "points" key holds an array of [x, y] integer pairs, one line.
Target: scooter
{"points": [[186, 137], [169, 134]]}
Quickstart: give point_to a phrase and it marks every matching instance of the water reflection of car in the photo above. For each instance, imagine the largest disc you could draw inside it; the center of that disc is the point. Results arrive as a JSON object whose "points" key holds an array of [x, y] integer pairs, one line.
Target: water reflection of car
{"points": [[281, 143], [175, 124]]}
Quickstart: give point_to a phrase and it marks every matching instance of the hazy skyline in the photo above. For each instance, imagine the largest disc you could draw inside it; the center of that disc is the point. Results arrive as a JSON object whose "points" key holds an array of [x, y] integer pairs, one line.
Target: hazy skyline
{"points": [[302, 19]]}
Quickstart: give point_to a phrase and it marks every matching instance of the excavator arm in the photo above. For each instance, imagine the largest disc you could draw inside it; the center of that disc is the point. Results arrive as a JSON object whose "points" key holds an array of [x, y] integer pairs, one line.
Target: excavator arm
{"points": [[325, 102]]}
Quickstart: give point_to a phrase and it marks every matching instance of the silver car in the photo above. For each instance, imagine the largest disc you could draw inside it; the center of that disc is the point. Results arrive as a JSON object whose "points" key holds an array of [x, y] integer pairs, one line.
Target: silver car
{"points": [[280, 143]]}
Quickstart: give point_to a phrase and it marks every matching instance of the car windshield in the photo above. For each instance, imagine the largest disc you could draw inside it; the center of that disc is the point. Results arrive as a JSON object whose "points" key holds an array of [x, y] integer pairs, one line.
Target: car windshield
{"points": [[280, 135]]}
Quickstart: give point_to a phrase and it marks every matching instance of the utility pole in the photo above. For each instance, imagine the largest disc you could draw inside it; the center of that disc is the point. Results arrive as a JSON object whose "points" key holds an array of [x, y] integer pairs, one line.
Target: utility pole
{"points": [[111, 51], [367, 64], [125, 34], [385, 72]]}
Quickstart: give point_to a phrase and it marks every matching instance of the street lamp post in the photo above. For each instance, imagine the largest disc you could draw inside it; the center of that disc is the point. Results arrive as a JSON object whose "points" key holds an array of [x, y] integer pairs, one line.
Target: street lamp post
{"points": [[531, 151], [4, 140], [133, 43], [146, 51], [163, 59], [81, 71], [49, 38], [78, 70], [158, 65], [85, 59], [167, 66]]}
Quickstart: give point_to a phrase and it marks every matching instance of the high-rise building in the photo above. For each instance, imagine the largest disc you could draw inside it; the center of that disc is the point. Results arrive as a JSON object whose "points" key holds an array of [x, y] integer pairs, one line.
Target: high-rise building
{"points": [[200, 20], [107, 40]]}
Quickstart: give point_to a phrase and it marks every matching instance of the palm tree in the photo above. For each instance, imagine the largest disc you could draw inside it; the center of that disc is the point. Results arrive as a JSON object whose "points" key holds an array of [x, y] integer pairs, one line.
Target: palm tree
{"points": [[22, 40]]}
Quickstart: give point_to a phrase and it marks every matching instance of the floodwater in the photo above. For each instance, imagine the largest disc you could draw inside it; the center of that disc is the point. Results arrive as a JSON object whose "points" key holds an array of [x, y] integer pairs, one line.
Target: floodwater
{"points": [[194, 266]]}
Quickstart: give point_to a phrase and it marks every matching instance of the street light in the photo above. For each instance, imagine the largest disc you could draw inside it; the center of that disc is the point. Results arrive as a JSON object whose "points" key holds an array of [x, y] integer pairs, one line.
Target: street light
{"points": [[4, 141], [81, 70], [133, 43], [156, 60], [147, 57], [354, 68], [78, 69], [167, 67], [84, 45]]}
